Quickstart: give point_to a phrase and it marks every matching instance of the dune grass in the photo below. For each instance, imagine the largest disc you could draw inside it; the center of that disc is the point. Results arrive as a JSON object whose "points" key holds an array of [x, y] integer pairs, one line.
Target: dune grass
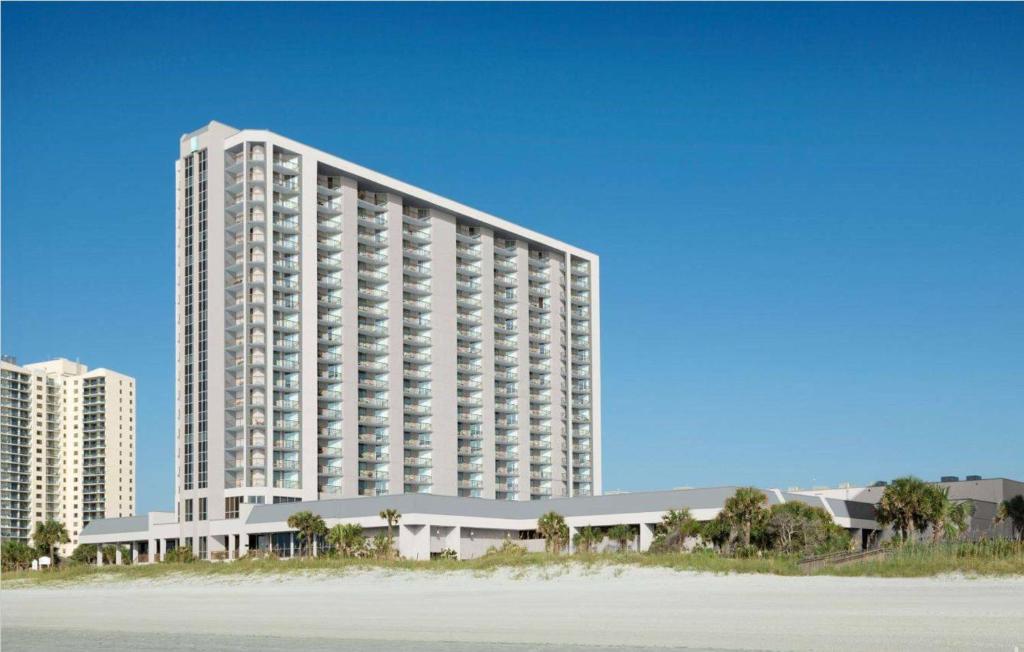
{"points": [[972, 559]]}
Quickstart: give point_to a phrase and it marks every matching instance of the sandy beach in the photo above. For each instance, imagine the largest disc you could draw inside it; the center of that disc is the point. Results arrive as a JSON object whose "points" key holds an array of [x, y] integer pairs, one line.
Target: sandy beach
{"points": [[619, 609]]}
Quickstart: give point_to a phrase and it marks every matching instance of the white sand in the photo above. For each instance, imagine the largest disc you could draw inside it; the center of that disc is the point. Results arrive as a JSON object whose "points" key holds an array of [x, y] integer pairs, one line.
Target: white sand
{"points": [[609, 607]]}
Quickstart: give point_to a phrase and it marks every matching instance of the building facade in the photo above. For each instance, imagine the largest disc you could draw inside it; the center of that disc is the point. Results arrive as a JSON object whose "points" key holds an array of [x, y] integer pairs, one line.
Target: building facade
{"points": [[68, 446], [341, 333]]}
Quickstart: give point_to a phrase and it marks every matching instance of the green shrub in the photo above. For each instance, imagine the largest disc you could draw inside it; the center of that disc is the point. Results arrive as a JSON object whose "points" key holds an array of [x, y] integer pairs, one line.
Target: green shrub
{"points": [[180, 555]]}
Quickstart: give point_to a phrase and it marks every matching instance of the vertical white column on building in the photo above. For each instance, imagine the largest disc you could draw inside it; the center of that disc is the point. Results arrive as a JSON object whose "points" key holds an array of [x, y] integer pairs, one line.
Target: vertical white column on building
{"points": [[308, 333], [595, 372], [350, 337], [522, 308], [487, 360], [443, 355], [396, 378]]}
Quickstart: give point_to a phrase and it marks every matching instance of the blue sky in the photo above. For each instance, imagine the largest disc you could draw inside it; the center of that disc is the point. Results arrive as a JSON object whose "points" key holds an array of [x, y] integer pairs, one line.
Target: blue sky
{"points": [[809, 216]]}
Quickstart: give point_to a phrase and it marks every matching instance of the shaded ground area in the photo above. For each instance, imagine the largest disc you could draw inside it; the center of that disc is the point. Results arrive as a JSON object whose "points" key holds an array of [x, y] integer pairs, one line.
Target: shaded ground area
{"points": [[616, 609]]}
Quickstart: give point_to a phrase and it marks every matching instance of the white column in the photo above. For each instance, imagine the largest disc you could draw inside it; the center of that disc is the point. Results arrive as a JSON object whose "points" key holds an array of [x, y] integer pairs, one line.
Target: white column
{"points": [[135, 552], [646, 536], [151, 551], [573, 531], [291, 545], [314, 547], [414, 541], [243, 545], [229, 545], [99, 555], [117, 555]]}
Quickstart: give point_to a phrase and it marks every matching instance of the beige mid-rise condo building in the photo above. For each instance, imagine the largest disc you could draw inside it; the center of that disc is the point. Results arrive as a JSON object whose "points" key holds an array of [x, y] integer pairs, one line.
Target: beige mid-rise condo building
{"points": [[341, 333], [67, 446]]}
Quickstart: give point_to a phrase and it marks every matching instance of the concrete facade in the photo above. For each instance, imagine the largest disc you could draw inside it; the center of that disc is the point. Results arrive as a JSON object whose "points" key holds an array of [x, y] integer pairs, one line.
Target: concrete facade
{"points": [[341, 333], [68, 446], [432, 523]]}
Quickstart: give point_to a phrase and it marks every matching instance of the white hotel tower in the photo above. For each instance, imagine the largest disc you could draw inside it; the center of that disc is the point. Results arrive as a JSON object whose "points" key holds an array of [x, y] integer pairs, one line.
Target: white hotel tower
{"points": [[341, 333]]}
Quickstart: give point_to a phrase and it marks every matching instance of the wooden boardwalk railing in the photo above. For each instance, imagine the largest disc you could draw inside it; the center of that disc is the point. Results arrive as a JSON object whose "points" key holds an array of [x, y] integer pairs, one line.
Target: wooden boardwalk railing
{"points": [[811, 564]]}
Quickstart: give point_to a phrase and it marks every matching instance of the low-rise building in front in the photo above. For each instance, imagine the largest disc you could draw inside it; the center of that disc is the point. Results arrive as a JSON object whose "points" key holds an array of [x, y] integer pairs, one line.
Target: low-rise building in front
{"points": [[67, 447]]}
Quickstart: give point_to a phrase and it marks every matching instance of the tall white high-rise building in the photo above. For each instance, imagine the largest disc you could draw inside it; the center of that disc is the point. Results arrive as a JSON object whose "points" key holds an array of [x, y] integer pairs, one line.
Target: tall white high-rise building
{"points": [[67, 446], [341, 333]]}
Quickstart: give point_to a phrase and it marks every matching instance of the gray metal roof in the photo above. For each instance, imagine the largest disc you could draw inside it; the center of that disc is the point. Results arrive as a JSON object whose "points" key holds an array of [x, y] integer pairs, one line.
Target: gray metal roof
{"points": [[851, 508], [626, 503], [138, 523]]}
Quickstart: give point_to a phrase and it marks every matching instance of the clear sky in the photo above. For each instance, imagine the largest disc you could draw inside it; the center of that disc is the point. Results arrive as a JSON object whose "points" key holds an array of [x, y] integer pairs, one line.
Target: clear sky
{"points": [[810, 217]]}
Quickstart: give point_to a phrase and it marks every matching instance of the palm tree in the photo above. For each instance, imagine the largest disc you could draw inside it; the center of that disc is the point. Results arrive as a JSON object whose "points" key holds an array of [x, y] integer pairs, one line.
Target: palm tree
{"points": [[947, 517], [1012, 509], [49, 535], [391, 516], [905, 506], [621, 534], [678, 524], [309, 526], [554, 530], [745, 509], [586, 539], [347, 539]]}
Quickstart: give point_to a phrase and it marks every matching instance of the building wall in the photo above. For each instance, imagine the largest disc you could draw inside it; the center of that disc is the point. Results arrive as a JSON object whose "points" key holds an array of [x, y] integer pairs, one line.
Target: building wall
{"points": [[77, 435], [316, 253]]}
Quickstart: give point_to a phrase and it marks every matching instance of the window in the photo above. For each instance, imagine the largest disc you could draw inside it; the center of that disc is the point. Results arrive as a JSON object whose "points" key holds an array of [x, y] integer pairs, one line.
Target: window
{"points": [[188, 510], [231, 506], [202, 509]]}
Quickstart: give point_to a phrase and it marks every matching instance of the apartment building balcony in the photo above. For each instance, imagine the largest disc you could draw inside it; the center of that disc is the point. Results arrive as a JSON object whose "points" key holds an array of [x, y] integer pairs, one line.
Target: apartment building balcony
{"points": [[414, 288], [416, 270], [286, 365], [369, 474], [504, 311], [371, 310], [469, 417], [412, 252], [541, 475], [287, 465], [286, 405], [578, 417], [415, 305], [468, 334], [328, 261], [417, 426], [374, 457], [538, 291], [540, 444], [539, 337], [508, 329], [580, 300], [468, 270], [420, 219], [286, 224], [324, 395], [372, 294], [415, 322], [540, 430], [539, 413], [329, 335], [581, 328], [328, 206], [281, 263], [372, 420], [371, 220], [372, 383], [465, 318], [503, 391], [328, 186], [469, 352], [285, 283], [329, 225], [537, 308], [417, 357], [328, 243], [506, 408], [329, 356], [370, 329], [503, 264], [469, 401], [505, 361], [467, 301], [470, 468], [509, 375], [371, 238], [416, 341], [416, 392], [544, 492], [286, 444], [417, 443], [327, 375], [505, 281], [470, 484], [370, 274], [372, 257], [416, 409], [370, 438], [418, 479], [467, 286], [465, 252], [507, 456], [505, 344], [467, 383], [415, 374], [419, 236], [333, 471]]}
